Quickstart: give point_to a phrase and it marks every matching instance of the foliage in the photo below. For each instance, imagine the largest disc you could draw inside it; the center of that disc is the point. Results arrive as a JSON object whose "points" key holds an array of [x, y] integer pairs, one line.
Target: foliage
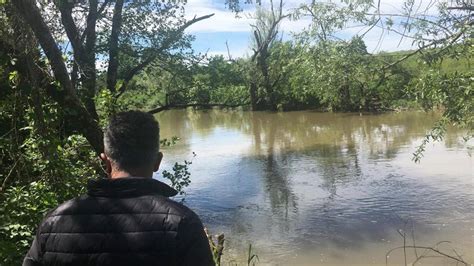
{"points": [[106, 105], [444, 39], [23, 207], [40, 165], [317, 69], [327, 17], [41, 169], [47, 169], [225, 81], [180, 178], [435, 134], [128, 36], [453, 93], [200, 81], [168, 142]]}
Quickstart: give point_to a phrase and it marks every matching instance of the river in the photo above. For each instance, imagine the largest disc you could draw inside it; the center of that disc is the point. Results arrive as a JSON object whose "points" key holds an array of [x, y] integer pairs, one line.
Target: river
{"points": [[325, 189]]}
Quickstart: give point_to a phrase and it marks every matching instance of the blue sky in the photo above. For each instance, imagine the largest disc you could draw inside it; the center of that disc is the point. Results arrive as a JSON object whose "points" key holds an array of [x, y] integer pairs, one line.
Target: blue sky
{"points": [[213, 33]]}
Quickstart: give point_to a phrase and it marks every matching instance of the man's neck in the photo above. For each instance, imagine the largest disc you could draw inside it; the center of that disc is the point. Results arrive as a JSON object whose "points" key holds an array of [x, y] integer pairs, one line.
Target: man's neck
{"points": [[124, 174]]}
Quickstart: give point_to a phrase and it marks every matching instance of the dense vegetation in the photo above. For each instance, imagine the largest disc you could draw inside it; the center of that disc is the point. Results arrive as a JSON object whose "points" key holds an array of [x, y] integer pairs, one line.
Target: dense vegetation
{"points": [[342, 76], [55, 94]]}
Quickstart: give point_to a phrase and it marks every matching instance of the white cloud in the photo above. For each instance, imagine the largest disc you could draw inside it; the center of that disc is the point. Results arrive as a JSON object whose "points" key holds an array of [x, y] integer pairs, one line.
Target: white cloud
{"points": [[222, 21], [225, 21]]}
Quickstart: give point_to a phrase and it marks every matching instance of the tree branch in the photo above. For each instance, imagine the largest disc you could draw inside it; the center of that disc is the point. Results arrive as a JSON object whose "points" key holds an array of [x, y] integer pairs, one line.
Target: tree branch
{"points": [[65, 8], [7, 178], [89, 32], [228, 52], [93, 18], [113, 46], [422, 19], [429, 249], [164, 46], [464, 8], [90, 75], [453, 40], [84, 56], [103, 6]]}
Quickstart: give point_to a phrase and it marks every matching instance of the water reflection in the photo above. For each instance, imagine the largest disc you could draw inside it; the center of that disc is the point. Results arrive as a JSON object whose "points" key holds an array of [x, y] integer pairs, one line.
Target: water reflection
{"points": [[307, 183], [298, 130], [276, 170]]}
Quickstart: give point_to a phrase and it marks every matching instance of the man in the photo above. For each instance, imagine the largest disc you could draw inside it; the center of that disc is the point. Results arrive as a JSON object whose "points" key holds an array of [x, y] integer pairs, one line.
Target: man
{"points": [[126, 219]]}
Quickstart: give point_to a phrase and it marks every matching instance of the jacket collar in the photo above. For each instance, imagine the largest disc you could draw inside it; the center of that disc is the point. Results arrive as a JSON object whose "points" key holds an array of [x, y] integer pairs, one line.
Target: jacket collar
{"points": [[128, 187]]}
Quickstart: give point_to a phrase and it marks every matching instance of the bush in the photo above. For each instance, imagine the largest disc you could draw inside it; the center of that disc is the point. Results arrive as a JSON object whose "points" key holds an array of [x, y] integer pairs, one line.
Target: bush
{"points": [[41, 168]]}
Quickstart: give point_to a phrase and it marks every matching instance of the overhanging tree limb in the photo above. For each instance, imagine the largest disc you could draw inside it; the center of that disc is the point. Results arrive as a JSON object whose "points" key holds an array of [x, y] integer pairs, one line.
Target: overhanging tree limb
{"points": [[205, 105], [463, 8], [453, 38], [167, 43]]}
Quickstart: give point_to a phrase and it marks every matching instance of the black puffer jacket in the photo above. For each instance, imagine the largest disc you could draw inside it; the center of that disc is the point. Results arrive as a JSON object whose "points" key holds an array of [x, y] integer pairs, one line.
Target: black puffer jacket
{"points": [[126, 221]]}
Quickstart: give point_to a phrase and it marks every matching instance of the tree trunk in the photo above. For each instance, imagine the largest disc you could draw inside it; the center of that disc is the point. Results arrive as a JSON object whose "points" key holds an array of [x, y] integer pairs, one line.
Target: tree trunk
{"points": [[271, 102], [345, 95], [65, 95], [90, 77], [113, 47], [253, 95]]}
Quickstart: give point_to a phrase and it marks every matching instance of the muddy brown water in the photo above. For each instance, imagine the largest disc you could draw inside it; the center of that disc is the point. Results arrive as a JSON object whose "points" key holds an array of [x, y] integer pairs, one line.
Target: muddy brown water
{"points": [[310, 188]]}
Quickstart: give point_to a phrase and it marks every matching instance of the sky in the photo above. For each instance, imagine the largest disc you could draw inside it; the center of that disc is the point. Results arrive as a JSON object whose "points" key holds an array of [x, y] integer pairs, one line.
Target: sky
{"points": [[213, 33]]}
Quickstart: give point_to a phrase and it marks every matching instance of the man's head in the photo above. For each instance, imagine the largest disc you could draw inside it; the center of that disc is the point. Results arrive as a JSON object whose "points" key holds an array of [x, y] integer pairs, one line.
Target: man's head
{"points": [[131, 145]]}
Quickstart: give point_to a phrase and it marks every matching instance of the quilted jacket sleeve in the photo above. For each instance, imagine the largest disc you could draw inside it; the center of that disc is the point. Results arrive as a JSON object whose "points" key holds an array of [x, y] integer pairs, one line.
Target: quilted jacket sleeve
{"points": [[196, 250], [32, 258]]}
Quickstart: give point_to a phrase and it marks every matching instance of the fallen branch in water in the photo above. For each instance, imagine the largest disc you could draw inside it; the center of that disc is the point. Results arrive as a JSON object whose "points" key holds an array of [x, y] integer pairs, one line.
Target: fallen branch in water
{"points": [[204, 105], [459, 260], [440, 254]]}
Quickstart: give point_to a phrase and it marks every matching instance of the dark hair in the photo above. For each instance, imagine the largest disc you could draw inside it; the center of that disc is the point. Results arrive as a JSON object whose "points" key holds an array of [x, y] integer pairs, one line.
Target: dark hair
{"points": [[131, 139]]}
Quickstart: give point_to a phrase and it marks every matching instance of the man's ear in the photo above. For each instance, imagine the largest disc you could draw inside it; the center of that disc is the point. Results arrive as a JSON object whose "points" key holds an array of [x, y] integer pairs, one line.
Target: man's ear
{"points": [[107, 163], [158, 161]]}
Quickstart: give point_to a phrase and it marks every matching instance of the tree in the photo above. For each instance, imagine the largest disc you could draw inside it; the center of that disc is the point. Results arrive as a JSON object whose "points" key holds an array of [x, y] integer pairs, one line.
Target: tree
{"points": [[52, 57], [445, 35], [441, 37], [129, 35], [265, 32]]}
